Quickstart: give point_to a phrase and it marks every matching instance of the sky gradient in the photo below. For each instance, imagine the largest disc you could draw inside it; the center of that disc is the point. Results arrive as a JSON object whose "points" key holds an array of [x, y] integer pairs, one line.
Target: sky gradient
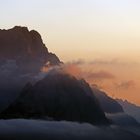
{"points": [[89, 30], [93, 28]]}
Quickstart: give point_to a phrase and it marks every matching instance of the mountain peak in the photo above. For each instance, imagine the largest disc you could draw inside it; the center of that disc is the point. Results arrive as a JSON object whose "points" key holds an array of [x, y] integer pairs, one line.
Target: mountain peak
{"points": [[26, 48], [58, 96], [20, 28]]}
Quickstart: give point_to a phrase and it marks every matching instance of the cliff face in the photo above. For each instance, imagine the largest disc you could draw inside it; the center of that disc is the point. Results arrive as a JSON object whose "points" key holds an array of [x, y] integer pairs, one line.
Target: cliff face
{"points": [[22, 55], [26, 48]]}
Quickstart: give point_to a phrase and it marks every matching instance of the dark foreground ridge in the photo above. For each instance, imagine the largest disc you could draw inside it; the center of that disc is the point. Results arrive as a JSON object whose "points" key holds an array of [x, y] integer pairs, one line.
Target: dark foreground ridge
{"points": [[59, 96]]}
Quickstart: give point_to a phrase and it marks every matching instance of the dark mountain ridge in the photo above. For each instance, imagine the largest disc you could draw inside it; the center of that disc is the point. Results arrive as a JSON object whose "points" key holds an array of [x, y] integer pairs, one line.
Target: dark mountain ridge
{"points": [[59, 96], [22, 56], [108, 104], [130, 108], [26, 48]]}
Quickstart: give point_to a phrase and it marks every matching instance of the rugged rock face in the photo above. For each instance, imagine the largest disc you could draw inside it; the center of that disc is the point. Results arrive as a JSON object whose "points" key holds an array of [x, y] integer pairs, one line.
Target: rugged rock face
{"points": [[22, 55], [26, 48], [108, 104], [59, 96]]}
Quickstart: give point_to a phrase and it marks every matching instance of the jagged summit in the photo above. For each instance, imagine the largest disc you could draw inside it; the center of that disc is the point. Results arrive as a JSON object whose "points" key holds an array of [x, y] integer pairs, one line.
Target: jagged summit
{"points": [[17, 28], [26, 48], [22, 56]]}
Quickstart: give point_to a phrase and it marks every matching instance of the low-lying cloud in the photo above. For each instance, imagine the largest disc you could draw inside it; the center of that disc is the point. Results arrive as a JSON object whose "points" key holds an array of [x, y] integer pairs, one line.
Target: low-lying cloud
{"points": [[42, 130], [103, 62], [79, 72], [100, 75], [125, 85]]}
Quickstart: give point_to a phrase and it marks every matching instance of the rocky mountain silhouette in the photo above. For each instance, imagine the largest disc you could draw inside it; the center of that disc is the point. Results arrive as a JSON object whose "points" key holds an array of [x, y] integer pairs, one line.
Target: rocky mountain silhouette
{"points": [[108, 104], [122, 119], [130, 109], [113, 110], [22, 56], [59, 96], [26, 48]]}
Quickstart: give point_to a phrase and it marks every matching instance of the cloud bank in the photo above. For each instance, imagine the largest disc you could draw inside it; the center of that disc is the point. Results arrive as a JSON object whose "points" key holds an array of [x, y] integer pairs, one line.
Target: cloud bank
{"points": [[33, 129]]}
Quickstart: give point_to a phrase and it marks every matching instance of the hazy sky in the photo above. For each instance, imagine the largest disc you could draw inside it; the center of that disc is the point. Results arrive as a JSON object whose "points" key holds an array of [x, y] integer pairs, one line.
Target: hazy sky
{"points": [[85, 29], [74, 29]]}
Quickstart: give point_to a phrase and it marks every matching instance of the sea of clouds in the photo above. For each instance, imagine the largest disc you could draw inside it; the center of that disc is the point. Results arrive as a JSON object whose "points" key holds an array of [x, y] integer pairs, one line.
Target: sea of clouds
{"points": [[22, 129]]}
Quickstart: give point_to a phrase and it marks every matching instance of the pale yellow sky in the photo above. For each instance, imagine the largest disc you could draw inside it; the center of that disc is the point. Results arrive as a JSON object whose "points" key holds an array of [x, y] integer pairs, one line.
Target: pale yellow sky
{"points": [[74, 29], [95, 45], [85, 29]]}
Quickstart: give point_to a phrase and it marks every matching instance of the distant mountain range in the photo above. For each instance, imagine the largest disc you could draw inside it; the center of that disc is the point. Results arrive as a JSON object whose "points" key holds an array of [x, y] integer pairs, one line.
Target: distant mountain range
{"points": [[114, 111], [108, 104], [130, 109]]}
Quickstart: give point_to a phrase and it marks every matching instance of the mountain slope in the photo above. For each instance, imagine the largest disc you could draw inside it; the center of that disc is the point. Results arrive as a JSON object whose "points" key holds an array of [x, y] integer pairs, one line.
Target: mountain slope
{"points": [[130, 109], [59, 96], [108, 104], [26, 48], [22, 56]]}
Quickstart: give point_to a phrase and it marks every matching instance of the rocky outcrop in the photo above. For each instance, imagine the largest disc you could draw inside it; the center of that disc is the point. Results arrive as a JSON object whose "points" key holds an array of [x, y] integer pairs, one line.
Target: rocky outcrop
{"points": [[26, 48], [22, 56]]}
